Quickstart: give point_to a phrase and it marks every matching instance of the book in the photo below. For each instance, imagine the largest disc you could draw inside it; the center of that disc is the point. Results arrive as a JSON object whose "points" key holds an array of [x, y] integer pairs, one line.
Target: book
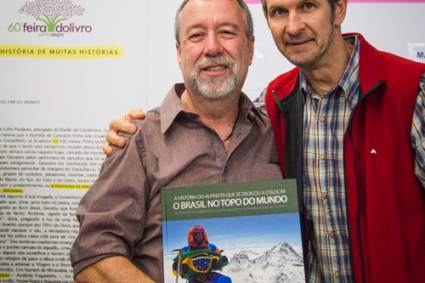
{"points": [[254, 225]]}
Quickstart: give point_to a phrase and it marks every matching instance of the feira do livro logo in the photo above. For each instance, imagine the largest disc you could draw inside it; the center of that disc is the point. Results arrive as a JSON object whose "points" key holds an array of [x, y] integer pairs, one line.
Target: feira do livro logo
{"points": [[52, 18]]}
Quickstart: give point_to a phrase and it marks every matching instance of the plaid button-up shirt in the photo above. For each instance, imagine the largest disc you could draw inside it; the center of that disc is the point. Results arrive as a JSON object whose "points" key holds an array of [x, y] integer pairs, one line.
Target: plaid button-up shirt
{"points": [[326, 120]]}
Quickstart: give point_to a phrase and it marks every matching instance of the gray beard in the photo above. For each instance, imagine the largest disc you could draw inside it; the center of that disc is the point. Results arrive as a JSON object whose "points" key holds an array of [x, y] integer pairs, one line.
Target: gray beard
{"points": [[215, 87]]}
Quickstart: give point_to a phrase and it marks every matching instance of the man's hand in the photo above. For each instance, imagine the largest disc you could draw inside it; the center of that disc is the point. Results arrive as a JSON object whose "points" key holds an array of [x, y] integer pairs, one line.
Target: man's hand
{"points": [[115, 269], [122, 124]]}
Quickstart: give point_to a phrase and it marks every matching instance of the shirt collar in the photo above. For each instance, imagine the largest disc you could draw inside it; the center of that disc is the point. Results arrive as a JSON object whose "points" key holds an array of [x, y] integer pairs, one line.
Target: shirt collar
{"points": [[350, 74], [172, 106]]}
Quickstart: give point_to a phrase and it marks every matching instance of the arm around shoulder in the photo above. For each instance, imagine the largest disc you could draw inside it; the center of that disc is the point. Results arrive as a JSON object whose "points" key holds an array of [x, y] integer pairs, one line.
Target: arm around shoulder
{"points": [[115, 269], [121, 125]]}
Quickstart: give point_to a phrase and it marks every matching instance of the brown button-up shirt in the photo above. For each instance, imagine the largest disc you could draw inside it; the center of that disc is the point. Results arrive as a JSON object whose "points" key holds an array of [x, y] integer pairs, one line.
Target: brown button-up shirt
{"points": [[121, 213]]}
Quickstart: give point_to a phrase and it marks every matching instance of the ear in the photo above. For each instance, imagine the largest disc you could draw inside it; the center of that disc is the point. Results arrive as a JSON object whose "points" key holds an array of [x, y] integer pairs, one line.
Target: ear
{"points": [[251, 41], [179, 51], [340, 12]]}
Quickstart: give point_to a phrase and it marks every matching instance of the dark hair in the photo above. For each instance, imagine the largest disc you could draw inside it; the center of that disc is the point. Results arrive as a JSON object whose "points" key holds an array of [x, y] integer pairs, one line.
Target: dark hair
{"points": [[331, 3], [249, 29]]}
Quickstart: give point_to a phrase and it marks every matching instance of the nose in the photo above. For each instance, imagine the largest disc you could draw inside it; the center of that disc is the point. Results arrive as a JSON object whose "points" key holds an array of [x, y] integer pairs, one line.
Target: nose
{"points": [[295, 23], [213, 46]]}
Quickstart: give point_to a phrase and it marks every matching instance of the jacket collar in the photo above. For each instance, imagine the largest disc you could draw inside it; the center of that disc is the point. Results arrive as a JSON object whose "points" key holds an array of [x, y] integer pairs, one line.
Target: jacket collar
{"points": [[370, 66]]}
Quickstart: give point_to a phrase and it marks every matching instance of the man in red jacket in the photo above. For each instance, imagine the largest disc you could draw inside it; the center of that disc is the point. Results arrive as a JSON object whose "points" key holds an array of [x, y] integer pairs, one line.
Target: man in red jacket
{"points": [[349, 125]]}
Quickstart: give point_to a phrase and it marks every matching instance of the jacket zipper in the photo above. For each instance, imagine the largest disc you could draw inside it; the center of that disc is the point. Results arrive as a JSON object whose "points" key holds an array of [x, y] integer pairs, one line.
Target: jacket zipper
{"points": [[349, 130]]}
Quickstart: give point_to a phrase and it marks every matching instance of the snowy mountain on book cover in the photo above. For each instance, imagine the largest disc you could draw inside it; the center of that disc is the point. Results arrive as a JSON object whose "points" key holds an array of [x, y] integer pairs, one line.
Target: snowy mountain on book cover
{"points": [[278, 264]]}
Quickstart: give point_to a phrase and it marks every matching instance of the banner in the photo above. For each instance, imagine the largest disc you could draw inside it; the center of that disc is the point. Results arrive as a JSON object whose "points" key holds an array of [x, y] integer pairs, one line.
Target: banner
{"points": [[65, 66]]}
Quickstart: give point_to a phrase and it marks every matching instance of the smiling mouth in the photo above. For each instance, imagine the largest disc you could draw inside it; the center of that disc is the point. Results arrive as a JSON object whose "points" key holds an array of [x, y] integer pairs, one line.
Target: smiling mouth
{"points": [[298, 42], [215, 68]]}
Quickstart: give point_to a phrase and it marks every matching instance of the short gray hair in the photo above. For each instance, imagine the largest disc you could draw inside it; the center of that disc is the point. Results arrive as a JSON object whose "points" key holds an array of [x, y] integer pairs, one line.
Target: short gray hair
{"points": [[249, 29]]}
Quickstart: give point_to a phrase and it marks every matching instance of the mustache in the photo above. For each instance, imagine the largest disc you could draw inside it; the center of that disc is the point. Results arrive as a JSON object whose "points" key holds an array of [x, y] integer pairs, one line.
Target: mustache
{"points": [[221, 60]]}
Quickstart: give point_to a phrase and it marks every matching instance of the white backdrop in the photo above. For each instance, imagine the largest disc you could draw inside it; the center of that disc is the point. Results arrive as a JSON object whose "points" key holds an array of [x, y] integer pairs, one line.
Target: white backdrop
{"points": [[110, 87]]}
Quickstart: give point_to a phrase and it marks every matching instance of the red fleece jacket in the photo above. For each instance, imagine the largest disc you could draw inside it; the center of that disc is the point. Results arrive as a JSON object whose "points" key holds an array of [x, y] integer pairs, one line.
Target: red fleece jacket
{"points": [[386, 204]]}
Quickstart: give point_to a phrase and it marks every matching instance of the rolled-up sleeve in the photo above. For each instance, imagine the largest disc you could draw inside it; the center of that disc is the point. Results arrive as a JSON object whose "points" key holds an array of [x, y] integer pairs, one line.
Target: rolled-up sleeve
{"points": [[113, 211]]}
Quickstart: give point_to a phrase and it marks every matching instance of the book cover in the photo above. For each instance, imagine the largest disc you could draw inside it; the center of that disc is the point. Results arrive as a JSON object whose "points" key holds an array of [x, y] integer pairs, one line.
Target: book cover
{"points": [[251, 232]]}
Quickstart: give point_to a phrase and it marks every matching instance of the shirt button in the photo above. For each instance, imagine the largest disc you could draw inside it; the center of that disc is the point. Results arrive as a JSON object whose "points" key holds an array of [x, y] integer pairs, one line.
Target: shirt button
{"points": [[322, 119], [325, 196], [331, 234], [336, 274], [322, 157]]}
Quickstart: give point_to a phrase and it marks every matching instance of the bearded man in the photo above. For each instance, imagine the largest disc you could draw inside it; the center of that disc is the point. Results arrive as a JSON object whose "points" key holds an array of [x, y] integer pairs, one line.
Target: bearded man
{"points": [[205, 131]]}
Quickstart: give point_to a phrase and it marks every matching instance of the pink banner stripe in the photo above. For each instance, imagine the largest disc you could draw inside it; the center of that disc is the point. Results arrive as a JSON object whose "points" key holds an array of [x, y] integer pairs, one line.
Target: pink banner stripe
{"points": [[358, 1], [386, 1]]}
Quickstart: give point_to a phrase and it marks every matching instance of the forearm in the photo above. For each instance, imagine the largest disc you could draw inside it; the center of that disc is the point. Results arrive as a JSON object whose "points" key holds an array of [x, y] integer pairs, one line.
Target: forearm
{"points": [[113, 269]]}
